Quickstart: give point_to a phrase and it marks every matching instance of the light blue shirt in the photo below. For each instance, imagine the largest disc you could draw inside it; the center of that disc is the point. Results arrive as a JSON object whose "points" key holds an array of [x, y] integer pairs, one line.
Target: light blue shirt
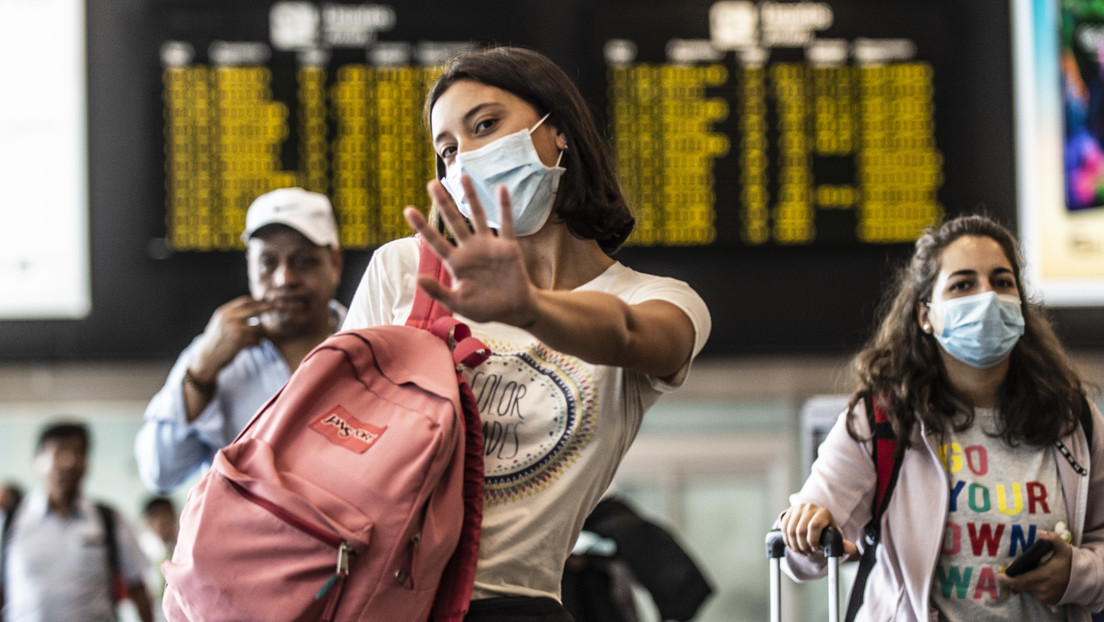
{"points": [[57, 566], [169, 450]]}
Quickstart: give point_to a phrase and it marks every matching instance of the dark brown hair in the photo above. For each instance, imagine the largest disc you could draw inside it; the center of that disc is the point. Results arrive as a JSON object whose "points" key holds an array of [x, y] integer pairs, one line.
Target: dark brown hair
{"points": [[589, 199]]}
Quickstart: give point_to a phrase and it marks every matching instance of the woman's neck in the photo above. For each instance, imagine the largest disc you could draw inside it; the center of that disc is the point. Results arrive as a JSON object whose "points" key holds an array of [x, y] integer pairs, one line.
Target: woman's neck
{"points": [[980, 386], [557, 260]]}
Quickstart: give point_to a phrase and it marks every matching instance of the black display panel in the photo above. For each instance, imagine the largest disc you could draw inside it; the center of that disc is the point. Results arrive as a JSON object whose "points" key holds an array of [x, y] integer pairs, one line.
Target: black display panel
{"points": [[734, 123], [780, 155]]}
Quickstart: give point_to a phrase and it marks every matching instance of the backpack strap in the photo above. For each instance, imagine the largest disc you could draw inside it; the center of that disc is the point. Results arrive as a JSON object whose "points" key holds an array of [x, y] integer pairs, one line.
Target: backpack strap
{"points": [[426, 310], [887, 463], [118, 584], [5, 538], [1087, 419], [454, 590]]}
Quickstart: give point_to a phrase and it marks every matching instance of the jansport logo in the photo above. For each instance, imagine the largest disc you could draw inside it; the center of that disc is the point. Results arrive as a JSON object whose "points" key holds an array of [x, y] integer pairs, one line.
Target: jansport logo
{"points": [[345, 430]]}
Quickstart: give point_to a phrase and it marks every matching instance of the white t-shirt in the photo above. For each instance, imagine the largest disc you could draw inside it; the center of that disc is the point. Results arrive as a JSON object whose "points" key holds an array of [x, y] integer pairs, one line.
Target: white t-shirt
{"points": [[57, 566], [555, 427]]}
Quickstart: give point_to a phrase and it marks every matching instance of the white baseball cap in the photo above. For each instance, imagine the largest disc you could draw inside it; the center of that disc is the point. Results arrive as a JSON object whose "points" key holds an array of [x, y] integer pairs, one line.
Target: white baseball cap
{"points": [[309, 213]]}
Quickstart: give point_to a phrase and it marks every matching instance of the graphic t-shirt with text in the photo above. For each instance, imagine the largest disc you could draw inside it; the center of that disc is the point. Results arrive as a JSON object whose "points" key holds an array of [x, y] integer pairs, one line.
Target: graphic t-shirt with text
{"points": [[1000, 497]]}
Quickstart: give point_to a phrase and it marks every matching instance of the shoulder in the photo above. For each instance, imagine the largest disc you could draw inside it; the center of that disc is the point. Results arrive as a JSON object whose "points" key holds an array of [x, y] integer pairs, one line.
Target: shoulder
{"points": [[32, 508], [386, 290], [635, 287], [402, 252], [391, 265]]}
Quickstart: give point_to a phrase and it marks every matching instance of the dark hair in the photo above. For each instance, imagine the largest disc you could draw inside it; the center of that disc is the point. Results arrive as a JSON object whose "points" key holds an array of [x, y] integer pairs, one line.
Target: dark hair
{"points": [[60, 430], [155, 504], [15, 490], [1039, 400], [589, 198]]}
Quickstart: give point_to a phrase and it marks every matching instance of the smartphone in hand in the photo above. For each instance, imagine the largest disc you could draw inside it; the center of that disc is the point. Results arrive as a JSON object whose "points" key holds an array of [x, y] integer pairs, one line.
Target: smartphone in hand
{"points": [[1030, 559]]}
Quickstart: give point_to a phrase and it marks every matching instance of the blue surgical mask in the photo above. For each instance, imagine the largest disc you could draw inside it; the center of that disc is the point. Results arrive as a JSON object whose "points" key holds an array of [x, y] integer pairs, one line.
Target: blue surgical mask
{"points": [[511, 161], [982, 329]]}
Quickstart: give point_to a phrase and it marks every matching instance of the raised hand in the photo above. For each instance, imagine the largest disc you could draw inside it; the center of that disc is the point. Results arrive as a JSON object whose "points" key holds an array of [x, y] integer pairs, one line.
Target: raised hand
{"points": [[489, 281], [233, 326]]}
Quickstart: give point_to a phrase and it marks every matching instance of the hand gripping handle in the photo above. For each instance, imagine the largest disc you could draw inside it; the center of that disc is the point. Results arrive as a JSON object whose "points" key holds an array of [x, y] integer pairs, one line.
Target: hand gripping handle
{"points": [[830, 539]]}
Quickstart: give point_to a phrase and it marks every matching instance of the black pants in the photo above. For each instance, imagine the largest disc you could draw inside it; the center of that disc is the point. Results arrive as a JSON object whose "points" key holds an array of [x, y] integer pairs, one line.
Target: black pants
{"points": [[517, 609]]}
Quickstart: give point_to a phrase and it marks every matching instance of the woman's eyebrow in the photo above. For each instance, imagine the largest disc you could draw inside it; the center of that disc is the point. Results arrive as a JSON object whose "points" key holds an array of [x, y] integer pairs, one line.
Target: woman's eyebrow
{"points": [[466, 119]]}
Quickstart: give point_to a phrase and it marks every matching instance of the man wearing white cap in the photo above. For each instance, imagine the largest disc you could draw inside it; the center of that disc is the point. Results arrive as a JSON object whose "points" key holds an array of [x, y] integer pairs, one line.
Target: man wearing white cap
{"points": [[253, 343]]}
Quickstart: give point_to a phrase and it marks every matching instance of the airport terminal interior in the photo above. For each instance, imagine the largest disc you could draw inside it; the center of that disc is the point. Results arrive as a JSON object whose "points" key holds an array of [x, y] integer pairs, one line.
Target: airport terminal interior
{"points": [[780, 157]]}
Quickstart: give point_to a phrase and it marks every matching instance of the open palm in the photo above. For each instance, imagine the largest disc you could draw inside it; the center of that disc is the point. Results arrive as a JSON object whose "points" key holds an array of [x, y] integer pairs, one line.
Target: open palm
{"points": [[489, 282]]}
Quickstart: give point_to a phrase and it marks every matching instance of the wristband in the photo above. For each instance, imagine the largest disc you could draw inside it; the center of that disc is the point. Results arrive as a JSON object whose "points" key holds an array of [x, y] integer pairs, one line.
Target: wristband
{"points": [[206, 389]]}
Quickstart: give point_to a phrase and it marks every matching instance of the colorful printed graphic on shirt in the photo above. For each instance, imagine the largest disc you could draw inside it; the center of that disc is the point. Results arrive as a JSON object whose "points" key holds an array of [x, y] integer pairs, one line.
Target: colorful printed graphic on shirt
{"points": [[539, 412], [1000, 498]]}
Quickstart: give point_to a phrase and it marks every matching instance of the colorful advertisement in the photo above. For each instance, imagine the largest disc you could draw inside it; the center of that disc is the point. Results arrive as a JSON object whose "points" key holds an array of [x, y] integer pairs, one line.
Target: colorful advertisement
{"points": [[1059, 86]]}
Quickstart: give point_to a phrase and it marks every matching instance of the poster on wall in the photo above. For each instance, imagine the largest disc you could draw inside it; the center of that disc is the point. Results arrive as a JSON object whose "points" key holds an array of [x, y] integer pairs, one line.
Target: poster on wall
{"points": [[1060, 143]]}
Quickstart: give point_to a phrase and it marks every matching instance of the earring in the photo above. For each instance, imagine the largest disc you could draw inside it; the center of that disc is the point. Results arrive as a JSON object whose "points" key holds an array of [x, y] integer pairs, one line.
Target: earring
{"points": [[926, 328]]}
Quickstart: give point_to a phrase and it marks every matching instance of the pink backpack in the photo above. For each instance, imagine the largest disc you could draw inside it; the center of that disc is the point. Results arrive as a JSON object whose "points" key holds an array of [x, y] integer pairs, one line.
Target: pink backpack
{"points": [[350, 491]]}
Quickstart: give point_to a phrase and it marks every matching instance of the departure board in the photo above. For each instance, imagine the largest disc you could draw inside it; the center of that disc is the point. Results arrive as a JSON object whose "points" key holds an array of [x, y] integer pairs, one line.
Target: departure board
{"points": [[780, 156], [734, 123]]}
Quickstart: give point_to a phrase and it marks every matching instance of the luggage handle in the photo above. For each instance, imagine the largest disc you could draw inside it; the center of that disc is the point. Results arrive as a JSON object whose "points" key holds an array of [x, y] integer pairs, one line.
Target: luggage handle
{"points": [[831, 541]]}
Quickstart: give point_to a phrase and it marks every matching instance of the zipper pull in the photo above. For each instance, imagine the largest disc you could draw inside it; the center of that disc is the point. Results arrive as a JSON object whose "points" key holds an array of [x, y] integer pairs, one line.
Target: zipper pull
{"points": [[325, 588], [343, 552]]}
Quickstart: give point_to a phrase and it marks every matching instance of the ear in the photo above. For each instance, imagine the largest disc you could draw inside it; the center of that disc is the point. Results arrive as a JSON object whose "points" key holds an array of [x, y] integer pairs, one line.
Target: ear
{"points": [[561, 138], [922, 317]]}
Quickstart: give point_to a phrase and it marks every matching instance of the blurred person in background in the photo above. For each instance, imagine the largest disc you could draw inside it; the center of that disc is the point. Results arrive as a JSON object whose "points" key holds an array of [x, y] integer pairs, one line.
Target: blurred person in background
{"points": [[62, 556], [158, 539], [253, 343]]}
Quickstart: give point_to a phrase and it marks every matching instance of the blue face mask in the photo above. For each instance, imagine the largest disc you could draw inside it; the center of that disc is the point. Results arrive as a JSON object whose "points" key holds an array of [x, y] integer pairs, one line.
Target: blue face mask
{"points": [[511, 161], [982, 329]]}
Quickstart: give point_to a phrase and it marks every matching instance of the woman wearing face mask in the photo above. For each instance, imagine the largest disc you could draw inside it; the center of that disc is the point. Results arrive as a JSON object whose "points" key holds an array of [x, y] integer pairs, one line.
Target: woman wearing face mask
{"points": [[582, 345], [988, 413]]}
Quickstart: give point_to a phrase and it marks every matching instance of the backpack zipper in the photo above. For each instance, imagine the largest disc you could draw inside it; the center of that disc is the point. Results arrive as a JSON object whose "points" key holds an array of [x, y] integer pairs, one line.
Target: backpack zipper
{"points": [[334, 585]]}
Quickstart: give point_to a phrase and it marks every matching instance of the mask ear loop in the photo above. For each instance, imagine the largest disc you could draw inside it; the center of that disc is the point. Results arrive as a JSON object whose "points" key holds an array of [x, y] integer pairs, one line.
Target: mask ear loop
{"points": [[534, 128]]}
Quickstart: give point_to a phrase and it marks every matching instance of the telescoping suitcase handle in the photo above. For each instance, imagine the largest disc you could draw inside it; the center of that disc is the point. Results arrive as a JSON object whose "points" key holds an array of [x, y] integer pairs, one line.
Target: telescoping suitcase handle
{"points": [[832, 542]]}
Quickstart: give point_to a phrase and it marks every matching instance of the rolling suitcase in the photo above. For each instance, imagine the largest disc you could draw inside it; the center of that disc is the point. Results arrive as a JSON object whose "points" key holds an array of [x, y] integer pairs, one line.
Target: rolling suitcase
{"points": [[832, 542]]}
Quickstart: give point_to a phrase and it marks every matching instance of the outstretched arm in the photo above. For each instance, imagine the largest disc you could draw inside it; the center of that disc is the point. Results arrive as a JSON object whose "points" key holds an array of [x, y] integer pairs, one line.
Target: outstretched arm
{"points": [[490, 284]]}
